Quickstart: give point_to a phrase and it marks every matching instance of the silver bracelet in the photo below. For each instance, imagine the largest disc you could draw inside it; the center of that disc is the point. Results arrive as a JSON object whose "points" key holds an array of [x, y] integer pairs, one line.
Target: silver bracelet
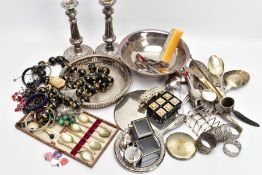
{"points": [[231, 153], [210, 139]]}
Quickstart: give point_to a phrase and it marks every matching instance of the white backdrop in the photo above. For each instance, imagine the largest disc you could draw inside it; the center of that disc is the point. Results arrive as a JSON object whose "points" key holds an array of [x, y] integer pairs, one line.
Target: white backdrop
{"points": [[33, 30]]}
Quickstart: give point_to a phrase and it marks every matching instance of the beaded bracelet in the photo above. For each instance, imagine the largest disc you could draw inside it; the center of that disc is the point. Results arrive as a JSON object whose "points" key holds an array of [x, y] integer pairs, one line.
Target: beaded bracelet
{"points": [[38, 106]]}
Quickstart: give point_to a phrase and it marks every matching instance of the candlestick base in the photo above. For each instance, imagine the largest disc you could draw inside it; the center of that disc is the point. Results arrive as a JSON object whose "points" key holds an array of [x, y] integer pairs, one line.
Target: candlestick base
{"points": [[71, 55], [101, 49]]}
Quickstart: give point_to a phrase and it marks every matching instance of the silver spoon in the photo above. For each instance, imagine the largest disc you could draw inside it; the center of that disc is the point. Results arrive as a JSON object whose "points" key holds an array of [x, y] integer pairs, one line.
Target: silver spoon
{"points": [[85, 154], [104, 133], [235, 79], [77, 129], [216, 67], [69, 139], [94, 145], [85, 119]]}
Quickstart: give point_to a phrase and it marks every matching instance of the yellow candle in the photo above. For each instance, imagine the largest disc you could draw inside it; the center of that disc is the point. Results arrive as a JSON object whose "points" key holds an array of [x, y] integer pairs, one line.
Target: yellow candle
{"points": [[171, 45]]}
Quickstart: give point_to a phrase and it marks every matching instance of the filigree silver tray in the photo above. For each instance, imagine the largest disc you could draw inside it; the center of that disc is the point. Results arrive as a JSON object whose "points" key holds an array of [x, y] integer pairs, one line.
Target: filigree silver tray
{"points": [[120, 72]]}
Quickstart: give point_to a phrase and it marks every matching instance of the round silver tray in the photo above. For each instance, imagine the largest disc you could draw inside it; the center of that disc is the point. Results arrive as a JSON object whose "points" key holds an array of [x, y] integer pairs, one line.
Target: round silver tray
{"points": [[120, 72], [126, 109], [149, 43], [137, 169]]}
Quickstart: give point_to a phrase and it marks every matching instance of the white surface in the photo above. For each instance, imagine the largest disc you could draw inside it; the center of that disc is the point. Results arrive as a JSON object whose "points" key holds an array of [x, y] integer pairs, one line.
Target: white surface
{"points": [[32, 30]]}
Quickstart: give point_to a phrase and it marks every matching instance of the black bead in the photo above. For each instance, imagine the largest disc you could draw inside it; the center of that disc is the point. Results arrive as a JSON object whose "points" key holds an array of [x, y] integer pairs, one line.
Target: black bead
{"points": [[92, 68], [110, 81], [103, 87], [18, 124], [46, 80], [53, 91], [60, 59], [43, 90], [94, 78], [51, 100], [78, 104], [35, 69], [60, 97], [41, 63], [72, 69], [80, 92], [52, 136], [79, 83], [67, 101], [88, 79], [81, 72], [85, 98], [91, 89], [70, 84], [103, 70], [41, 73], [52, 60], [23, 124], [53, 105]]}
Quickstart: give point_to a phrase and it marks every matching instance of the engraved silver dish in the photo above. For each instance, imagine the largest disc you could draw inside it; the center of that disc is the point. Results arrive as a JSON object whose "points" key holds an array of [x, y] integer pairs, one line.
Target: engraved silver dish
{"points": [[120, 72], [149, 43]]}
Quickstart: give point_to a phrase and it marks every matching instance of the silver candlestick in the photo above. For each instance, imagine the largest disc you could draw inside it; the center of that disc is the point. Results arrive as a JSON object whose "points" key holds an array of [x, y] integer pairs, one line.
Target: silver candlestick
{"points": [[109, 47], [78, 50]]}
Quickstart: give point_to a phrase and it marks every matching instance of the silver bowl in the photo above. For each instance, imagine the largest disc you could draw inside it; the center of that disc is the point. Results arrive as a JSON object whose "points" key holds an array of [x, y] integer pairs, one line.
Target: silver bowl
{"points": [[149, 43]]}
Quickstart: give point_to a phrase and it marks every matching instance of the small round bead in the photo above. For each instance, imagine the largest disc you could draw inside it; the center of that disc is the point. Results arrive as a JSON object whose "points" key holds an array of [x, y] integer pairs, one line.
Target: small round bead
{"points": [[67, 101], [85, 98], [110, 81], [52, 60], [103, 70], [92, 68], [52, 136], [80, 92], [41, 73], [81, 72], [46, 80], [78, 104], [91, 89], [43, 90], [70, 84], [41, 63], [54, 91], [72, 69], [59, 59]]}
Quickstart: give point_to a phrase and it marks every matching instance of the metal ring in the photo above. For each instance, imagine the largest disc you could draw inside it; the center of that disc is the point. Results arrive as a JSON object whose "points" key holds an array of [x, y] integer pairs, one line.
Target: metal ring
{"points": [[238, 128], [210, 139], [231, 153]]}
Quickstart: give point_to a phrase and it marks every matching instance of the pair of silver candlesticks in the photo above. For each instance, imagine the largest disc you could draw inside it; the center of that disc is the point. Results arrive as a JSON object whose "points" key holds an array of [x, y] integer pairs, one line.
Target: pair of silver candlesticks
{"points": [[79, 50]]}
